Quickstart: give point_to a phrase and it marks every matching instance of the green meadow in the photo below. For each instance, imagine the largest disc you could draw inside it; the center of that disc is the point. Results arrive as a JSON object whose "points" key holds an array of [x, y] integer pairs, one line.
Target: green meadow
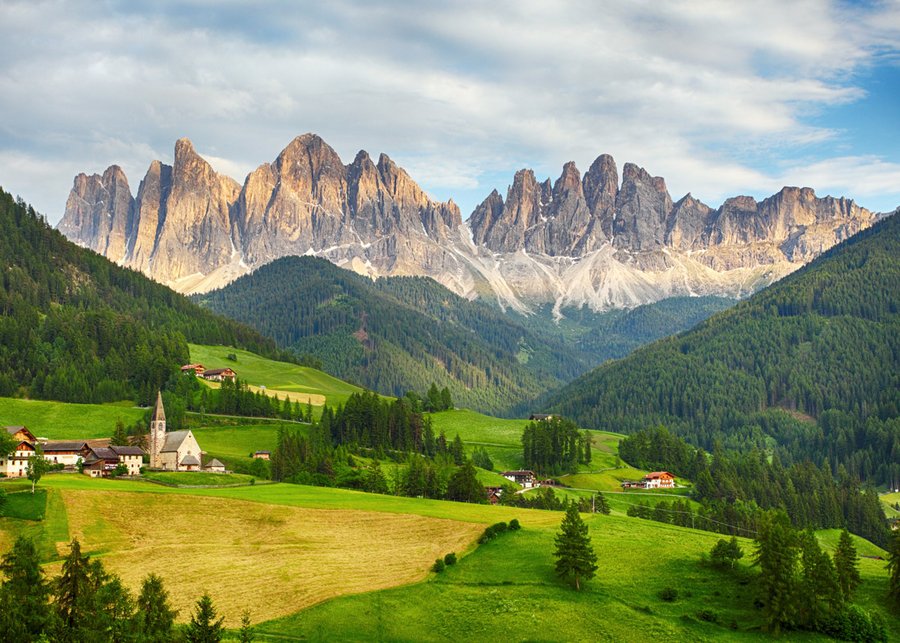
{"points": [[277, 376], [61, 421]]}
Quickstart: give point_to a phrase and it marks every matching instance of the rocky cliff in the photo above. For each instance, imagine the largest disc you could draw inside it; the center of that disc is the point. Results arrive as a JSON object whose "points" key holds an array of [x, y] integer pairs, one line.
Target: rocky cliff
{"points": [[579, 240]]}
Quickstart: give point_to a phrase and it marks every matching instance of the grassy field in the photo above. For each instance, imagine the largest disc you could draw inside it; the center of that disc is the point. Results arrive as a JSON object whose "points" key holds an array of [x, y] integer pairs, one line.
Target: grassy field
{"points": [[25, 505], [278, 377], [358, 564], [232, 443], [61, 421], [889, 500], [198, 478]]}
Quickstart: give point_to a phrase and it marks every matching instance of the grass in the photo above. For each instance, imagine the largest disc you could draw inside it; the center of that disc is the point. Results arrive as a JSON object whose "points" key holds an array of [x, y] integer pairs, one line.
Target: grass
{"points": [[889, 500], [62, 421], [198, 478], [24, 505], [278, 377], [232, 443]]}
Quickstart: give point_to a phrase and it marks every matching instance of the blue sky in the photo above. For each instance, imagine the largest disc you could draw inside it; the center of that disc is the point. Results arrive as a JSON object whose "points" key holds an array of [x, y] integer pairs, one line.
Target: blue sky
{"points": [[719, 98]]}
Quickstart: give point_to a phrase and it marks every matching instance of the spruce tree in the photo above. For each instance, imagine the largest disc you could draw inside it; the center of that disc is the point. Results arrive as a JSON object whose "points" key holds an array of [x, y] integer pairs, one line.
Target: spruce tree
{"points": [[601, 505], [24, 594], [464, 486], [204, 628], [74, 603], [155, 616], [457, 451], [776, 556], [575, 557], [846, 563], [820, 592], [120, 435], [893, 568], [245, 634]]}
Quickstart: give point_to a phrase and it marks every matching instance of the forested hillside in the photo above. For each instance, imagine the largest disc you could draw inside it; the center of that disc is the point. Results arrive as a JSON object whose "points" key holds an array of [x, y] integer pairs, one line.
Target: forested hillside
{"points": [[397, 334], [75, 327], [809, 364]]}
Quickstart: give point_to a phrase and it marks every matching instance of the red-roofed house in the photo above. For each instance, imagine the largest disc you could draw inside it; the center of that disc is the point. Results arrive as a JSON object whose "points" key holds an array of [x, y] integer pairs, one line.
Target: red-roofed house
{"points": [[659, 480]]}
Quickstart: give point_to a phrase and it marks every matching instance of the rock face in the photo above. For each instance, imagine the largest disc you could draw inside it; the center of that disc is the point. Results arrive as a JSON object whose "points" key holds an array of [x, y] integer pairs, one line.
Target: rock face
{"points": [[576, 241]]}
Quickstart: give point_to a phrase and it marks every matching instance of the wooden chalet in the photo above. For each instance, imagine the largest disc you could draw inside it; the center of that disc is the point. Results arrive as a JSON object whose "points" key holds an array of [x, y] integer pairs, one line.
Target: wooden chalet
{"points": [[194, 369], [262, 455], [523, 478], [15, 465], [101, 462], [659, 480], [219, 374]]}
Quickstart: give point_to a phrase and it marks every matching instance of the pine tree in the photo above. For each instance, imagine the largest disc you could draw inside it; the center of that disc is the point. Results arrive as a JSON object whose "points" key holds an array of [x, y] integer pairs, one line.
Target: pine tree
{"points": [[893, 568], [776, 555], [155, 616], [820, 591], [575, 557], [846, 563], [24, 594], [601, 505], [464, 486], [204, 628], [120, 435], [446, 399], [245, 634], [457, 451]]}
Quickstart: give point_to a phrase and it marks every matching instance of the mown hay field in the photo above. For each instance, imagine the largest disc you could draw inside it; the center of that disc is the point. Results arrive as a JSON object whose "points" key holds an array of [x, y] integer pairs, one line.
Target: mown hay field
{"points": [[62, 421], [272, 560]]}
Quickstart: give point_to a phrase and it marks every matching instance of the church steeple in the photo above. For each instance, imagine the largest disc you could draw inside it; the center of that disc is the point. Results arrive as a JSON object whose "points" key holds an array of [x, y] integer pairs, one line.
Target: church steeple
{"points": [[157, 432]]}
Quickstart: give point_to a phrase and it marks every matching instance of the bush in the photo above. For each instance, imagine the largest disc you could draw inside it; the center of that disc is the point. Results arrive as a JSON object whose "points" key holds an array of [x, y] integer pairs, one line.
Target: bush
{"points": [[708, 615], [668, 594], [450, 559], [438, 566], [514, 524], [492, 531]]}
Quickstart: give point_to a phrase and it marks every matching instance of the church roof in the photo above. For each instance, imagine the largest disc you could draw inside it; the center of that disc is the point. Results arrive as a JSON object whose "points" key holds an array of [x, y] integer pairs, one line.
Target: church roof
{"points": [[159, 413], [190, 460], [214, 463], [174, 440]]}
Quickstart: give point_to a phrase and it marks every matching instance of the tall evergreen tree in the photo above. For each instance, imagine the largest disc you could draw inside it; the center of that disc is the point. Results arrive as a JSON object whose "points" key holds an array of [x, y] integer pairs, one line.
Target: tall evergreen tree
{"points": [[120, 435], [457, 451], [575, 557], [155, 616], [24, 607], [819, 592], [776, 556], [846, 563], [204, 627], [245, 635], [893, 568], [464, 486]]}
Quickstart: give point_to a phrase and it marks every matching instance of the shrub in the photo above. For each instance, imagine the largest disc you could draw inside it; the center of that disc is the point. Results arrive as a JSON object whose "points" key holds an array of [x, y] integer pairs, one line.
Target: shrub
{"points": [[492, 531], [668, 594], [450, 559], [438, 566], [514, 524], [708, 615]]}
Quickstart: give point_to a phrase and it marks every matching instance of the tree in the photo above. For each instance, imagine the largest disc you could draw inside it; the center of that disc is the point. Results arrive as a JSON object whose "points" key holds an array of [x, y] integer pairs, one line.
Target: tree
{"points": [[38, 465], [480, 458], [155, 616], [776, 556], [446, 399], [204, 628], [456, 450], [726, 553], [115, 611], [846, 563], [24, 608], [575, 557], [75, 593], [120, 435], [820, 592], [893, 568], [601, 505], [464, 486], [245, 634]]}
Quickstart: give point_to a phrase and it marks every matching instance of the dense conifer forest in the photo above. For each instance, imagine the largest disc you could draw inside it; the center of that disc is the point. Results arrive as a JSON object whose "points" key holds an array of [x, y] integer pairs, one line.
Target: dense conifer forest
{"points": [[397, 333], [75, 327], [807, 368]]}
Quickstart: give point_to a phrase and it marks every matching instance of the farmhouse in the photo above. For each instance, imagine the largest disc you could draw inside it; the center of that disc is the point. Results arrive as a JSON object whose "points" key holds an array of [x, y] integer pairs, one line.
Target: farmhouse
{"points": [[214, 466], [524, 478], [64, 453], [175, 451], [193, 369], [16, 463], [659, 480], [262, 455], [493, 494], [219, 374], [100, 462], [540, 416]]}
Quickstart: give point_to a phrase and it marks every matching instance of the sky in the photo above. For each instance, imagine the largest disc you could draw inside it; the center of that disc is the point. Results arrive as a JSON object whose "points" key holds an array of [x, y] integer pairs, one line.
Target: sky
{"points": [[720, 98]]}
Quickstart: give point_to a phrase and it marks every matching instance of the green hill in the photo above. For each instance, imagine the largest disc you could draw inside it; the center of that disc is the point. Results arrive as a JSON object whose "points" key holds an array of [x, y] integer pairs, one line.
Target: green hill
{"points": [[397, 334], [809, 366], [77, 328]]}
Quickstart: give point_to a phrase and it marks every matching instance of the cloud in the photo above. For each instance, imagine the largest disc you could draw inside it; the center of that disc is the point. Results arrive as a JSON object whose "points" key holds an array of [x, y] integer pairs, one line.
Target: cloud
{"points": [[716, 97]]}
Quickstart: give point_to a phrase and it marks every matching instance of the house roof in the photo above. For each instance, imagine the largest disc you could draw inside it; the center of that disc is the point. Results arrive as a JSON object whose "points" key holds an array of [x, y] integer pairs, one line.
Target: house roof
{"points": [[190, 460], [159, 413], [657, 474], [127, 450], [103, 453], [518, 473], [191, 367], [214, 463], [269, 452], [218, 371], [57, 446], [174, 440], [12, 430]]}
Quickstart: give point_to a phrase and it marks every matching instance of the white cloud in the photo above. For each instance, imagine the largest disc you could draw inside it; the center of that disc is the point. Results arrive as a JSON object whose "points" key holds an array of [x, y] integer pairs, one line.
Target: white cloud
{"points": [[713, 96]]}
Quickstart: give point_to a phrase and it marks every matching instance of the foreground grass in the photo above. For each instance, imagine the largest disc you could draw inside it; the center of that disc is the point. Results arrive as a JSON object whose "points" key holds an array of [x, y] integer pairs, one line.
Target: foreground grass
{"points": [[277, 377], [62, 421], [232, 443], [198, 478]]}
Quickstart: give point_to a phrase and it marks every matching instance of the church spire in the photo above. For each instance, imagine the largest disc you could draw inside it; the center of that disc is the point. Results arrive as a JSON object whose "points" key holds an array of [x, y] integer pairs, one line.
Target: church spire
{"points": [[157, 432], [159, 413]]}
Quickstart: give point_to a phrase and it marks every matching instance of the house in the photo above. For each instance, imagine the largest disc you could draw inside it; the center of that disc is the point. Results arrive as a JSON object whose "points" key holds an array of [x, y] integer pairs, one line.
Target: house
{"points": [[632, 484], [659, 480], [523, 478], [214, 466], [262, 455], [171, 451], [101, 462], [493, 494], [219, 374], [537, 417], [194, 369], [65, 453], [15, 465]]}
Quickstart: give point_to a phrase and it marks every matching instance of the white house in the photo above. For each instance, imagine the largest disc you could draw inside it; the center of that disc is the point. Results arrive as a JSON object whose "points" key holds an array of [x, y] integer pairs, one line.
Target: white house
{"points": [[659, 480], [524, 478], [64, 453], [15, 464]]}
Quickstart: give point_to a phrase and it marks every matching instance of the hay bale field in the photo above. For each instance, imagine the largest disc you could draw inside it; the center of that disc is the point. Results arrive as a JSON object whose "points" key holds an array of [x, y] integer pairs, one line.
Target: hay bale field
{"points": [[275, 560]]}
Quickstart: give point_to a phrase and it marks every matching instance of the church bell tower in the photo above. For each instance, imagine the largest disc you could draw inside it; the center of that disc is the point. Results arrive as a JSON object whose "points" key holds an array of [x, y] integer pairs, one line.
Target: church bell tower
{"points": [[157, 432]]}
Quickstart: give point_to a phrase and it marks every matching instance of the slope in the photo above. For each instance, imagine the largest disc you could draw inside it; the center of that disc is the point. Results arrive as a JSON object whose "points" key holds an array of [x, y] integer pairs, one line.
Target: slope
{"points": [[397, 334], [75, 327], [809, 364]]}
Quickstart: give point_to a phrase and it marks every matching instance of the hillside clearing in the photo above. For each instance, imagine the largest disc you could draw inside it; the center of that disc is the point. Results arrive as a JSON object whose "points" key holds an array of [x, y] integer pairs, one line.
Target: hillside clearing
{"points": [[62, 421], [286, 560]]}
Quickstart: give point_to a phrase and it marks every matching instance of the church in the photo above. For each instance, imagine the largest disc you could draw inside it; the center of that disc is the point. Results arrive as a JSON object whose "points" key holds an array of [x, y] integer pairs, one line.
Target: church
{"points": [[173, 451]]}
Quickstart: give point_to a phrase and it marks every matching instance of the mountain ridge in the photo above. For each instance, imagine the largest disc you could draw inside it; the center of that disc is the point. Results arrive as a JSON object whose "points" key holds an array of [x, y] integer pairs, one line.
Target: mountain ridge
{"points": [[582, 240]]}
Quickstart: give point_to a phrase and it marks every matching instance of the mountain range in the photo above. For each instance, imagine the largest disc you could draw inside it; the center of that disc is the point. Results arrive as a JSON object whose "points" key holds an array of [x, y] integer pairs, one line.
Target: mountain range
{"points": [[591, 240]]}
